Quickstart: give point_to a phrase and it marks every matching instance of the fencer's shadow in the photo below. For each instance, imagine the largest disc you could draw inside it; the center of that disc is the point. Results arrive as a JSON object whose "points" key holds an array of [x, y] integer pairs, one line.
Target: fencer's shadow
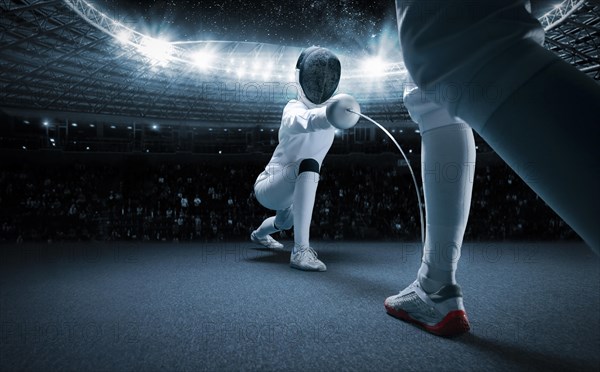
{"points": [[268, 255], [519, 356], [358, 285]]}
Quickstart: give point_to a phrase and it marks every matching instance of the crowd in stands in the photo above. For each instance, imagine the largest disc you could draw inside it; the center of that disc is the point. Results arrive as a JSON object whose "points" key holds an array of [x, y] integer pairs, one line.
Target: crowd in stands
{"points": [[209, 202]]}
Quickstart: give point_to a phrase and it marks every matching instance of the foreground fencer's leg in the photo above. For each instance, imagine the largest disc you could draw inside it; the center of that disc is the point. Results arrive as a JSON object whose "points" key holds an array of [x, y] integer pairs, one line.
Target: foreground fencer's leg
{"points": [[434, 301], [303, 256], [448, 157], [485, 65]]}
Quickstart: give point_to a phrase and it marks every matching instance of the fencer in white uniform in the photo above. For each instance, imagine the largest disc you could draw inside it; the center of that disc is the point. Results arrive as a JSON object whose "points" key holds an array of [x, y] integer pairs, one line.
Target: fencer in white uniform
{"points": [[289, 182]]}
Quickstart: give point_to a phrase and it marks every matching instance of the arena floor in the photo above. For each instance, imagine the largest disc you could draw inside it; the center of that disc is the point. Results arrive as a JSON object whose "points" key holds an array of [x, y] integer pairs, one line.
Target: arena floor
{"points": [[135, 306]]}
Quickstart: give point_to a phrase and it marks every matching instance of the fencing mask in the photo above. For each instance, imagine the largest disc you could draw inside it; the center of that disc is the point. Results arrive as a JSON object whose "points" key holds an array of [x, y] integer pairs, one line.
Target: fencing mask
{"points": [[319, 73]]}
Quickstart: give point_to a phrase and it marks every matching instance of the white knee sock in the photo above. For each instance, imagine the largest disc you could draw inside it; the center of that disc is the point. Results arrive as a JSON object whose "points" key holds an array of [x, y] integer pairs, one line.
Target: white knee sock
{"points": [[266, 228], [304, 201], [448, 168]]}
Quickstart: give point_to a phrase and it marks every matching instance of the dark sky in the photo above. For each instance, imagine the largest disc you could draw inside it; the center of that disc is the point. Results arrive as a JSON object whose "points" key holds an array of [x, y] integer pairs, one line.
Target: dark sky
{"points": [[348, 25]]}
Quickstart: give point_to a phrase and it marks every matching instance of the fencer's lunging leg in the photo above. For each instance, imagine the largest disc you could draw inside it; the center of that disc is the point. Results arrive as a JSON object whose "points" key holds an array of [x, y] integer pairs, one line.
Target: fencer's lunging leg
{"points": [[304, 201], [448, 157], [303, 256]]}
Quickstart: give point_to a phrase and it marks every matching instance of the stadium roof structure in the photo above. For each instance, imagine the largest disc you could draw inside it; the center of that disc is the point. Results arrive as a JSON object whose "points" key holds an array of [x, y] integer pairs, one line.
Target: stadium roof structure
{"points": [[67, 59]]}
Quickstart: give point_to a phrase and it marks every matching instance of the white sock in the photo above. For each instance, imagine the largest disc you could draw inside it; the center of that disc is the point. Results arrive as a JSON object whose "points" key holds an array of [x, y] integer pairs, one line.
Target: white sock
{"points": [[448, 155], [266, 228], [304, 201]]}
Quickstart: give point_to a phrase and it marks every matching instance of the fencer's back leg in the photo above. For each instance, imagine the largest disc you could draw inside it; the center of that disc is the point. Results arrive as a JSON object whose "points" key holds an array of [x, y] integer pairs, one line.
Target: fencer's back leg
{"points": [[284, 219]]}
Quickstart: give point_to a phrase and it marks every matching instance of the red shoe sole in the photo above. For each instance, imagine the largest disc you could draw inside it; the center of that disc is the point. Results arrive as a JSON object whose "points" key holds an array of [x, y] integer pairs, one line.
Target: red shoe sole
{"points": [[453, 324]]}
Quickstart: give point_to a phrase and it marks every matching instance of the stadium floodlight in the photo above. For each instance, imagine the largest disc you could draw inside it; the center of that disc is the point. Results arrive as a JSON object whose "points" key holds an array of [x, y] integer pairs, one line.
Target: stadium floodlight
{"points": [[266, 74], [46, 123], [157, 50], [124, 36], [203, 59], [74, 125], [374, 66]]}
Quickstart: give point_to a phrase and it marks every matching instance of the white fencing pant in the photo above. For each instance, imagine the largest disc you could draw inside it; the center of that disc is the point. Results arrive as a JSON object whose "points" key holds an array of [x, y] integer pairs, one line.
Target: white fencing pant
{"points": [[291, 193], [276, 191]]}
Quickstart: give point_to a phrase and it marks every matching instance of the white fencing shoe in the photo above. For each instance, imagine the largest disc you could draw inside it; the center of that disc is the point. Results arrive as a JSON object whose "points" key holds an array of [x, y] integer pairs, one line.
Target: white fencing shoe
{"points": [[441, 313], [306, 259], [267, 241]]}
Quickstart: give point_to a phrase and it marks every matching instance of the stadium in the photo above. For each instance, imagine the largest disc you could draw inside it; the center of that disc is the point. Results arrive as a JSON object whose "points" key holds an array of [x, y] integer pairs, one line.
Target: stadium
{"points": [[127, 203]]}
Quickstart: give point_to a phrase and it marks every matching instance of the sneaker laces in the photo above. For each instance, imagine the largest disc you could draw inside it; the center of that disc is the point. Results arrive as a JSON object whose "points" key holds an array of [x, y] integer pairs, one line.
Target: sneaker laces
{"points": [[308, 251]]}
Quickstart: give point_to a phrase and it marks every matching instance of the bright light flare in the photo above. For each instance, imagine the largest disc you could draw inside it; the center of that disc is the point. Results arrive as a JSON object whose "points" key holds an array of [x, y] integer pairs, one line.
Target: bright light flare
{"points": [[204, 59], [158, 50], [374, 66], [124, 36]]}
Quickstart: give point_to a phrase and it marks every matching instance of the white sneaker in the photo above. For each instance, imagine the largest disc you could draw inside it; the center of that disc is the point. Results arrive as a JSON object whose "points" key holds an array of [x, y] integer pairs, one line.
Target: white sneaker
{"points": [[306, 259], [267, 241], [441, 313]]}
